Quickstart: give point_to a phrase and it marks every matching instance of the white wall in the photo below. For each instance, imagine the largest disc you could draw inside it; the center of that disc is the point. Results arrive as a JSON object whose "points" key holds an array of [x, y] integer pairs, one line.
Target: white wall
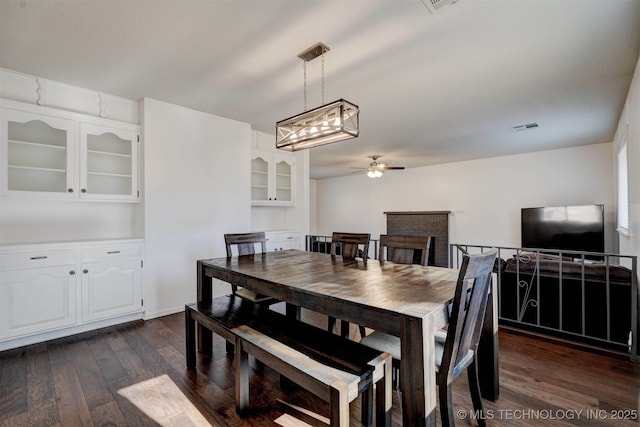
{"points": [[485, 196], [197, 187], [25, 220], [630, 122]]}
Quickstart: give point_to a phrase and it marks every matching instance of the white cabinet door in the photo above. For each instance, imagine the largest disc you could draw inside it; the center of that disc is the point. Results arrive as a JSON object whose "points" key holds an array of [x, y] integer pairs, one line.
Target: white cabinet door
{"points": [[111, 288], [108, 163], [260, 191], [38, 154], [36, 300], [283, 180], [272, 180]]}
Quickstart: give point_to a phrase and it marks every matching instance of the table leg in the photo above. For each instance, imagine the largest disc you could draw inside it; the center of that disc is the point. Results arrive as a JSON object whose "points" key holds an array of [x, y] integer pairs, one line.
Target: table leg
{"points": [[293, 311], [205, 294], [418, 356], [190, 339], [488, 366]]}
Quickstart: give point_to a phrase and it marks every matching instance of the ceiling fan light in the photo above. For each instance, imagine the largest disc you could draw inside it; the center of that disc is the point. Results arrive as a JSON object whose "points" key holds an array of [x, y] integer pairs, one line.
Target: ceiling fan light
{"points": [[374, 173]]}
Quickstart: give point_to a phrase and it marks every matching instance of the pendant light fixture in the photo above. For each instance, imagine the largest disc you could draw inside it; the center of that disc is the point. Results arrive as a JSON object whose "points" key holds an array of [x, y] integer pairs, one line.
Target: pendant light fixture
{"points": [[332, 122]]}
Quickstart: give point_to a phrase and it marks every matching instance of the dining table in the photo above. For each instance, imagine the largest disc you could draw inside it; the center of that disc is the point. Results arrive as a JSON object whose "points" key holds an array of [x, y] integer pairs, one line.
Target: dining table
{"points": [[405, 300]]}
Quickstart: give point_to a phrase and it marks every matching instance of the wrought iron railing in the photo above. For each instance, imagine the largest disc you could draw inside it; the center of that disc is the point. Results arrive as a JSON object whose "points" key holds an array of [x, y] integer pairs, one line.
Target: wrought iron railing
{"points": [[584, 297]]}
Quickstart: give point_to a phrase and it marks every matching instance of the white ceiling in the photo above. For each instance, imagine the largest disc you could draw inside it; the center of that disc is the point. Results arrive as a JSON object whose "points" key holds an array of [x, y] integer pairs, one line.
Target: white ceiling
{"points": [[432, 88]]}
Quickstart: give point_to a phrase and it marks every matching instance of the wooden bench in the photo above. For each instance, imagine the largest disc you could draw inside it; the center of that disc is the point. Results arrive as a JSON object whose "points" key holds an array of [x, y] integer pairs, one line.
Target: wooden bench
{"points": [[332, 367]]}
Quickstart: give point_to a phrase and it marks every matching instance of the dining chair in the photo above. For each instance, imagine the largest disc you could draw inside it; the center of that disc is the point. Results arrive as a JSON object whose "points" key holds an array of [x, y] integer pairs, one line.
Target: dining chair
{"points": [[246, 245], [404, 249], [349, 246], [455, 348]]}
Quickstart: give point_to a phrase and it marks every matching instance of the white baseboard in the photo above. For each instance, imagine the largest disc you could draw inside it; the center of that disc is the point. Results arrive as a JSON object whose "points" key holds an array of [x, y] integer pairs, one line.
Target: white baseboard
{"points": [[50, 335]]}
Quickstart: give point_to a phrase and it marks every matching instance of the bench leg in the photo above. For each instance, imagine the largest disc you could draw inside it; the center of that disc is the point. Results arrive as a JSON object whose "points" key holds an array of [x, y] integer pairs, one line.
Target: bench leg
{"points": [[190, 338], [339, 405], [383, 395], [242, 379], [366, 407]]}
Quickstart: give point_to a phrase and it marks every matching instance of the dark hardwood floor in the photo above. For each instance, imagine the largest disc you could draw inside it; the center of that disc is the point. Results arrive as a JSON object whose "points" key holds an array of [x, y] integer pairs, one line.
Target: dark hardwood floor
{"points": [[134, 375]]}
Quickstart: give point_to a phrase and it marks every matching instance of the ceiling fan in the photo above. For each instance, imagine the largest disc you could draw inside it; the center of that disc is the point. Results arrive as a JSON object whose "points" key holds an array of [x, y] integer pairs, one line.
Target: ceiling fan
{"points": [[376, 169]]}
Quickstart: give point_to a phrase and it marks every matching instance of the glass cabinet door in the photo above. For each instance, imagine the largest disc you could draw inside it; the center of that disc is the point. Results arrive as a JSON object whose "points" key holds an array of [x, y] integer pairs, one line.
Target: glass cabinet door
{"points": [[108, 163], [38, 154], [259, 180], [283, 191]]}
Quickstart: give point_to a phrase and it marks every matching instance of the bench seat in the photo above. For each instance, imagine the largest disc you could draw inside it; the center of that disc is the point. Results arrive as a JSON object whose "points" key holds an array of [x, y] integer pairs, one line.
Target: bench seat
{"points": [[332, 367]]}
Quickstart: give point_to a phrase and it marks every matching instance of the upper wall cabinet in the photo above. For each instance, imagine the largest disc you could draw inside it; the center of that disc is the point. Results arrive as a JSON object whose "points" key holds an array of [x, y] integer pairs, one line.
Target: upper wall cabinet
{"points": [[108, 163], [272, 180], [67, 156]]}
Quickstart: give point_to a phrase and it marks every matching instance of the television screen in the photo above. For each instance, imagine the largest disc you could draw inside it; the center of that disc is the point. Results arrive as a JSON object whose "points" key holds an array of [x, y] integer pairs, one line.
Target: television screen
{"points": [[573, 228]]}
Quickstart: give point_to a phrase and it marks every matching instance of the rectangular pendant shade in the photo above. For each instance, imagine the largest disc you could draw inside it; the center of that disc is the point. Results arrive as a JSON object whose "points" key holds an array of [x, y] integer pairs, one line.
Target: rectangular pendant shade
{"points": [[329, 123]]}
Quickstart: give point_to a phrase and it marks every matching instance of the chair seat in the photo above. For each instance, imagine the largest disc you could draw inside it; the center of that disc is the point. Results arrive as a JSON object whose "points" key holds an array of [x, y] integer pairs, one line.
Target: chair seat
{"points": [[254, 297], [391, 344]]}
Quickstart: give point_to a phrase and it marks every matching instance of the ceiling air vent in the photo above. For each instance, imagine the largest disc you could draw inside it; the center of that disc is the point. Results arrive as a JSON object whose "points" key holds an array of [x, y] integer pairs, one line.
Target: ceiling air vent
{"points": [[433, 5], [528, 126]]}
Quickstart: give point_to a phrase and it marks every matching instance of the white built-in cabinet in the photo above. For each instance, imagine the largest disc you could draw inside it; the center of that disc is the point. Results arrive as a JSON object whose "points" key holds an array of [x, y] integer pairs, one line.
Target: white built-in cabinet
{"points": [[50, 153], [272, 179], [54, 287], [280, 240]]}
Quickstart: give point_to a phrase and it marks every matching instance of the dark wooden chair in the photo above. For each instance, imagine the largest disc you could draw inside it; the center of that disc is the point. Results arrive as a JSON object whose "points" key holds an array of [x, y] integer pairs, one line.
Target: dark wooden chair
{"points": [[456, 347], [246, 245], [404, 249], [350, 246]]}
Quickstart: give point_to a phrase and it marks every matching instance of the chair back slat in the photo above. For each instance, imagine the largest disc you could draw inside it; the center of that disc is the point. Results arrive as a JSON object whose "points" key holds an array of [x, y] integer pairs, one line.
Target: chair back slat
{"points": [[467, 313], [402, 249], [350, 244], [245, 243]]}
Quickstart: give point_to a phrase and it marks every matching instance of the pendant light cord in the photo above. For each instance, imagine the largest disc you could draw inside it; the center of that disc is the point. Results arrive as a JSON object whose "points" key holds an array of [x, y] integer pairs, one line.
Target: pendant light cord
{"points": [[322, 77], [304, 68]]}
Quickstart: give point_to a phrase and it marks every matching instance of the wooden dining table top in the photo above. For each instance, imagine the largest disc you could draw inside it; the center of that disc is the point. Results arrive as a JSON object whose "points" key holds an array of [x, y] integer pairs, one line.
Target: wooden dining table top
{"points": [[299, 277]]}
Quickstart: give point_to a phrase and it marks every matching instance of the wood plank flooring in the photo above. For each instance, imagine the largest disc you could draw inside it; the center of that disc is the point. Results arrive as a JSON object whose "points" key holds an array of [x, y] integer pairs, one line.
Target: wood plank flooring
{"points": [[134, 375]]}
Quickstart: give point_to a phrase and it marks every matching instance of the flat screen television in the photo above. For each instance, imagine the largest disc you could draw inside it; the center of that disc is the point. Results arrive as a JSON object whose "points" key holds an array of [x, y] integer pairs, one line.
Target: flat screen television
{"points": [[572, 228]]}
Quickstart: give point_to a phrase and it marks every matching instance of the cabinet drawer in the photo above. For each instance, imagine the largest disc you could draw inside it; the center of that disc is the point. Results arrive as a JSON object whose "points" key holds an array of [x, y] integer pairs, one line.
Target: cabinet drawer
{"points": [[281, 240], [37, 258], [109, 252]]}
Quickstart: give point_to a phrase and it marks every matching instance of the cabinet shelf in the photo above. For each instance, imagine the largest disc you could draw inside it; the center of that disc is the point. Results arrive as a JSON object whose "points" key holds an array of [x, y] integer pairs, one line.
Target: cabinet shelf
{"points": [[108, 153], [38, 145], [119, 175], [33, 168], [259, 186]]}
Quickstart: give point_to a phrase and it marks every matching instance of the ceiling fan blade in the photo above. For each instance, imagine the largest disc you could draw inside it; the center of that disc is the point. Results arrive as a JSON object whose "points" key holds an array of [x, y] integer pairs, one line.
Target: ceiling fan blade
{"points": [[362, 169], [387, 168]]}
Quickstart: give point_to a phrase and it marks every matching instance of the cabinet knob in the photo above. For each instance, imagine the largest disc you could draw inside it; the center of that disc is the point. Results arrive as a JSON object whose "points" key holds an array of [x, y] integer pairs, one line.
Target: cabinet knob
{"points": [[84, 190], [72, 272], [69, 190], [85, 271]]}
